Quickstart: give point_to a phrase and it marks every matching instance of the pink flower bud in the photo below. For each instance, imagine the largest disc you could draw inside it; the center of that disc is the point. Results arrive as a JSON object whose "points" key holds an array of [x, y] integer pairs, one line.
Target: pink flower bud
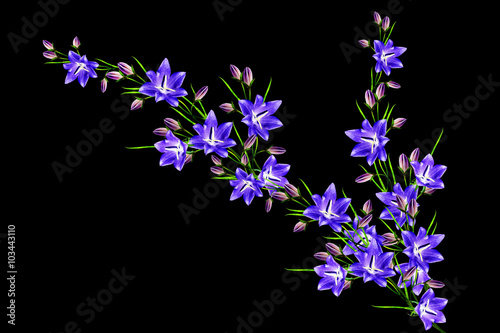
{"points": [[401, 202], [414, 155], [385, 23], [104, 84], [435, 284], [403, 162], [299, 227], [244, 159], [189, 158], [250, 141], [201, 93], [279, 196], [226, 107], [364, 221], [125, 68], [393, 85], [136, 104], [247, 76], [429, 191], [377, 18], [172, 124], [76, 42], [321, 256], [389, 239], [276, 150], [364, 43], [217, 170], [50, 55], [114, 75], [235, 72], [48, 45], [216, 160], [369, 98], [380, 92], [291, 190], [413, 208], [367, 207], [409, 273], [399, 122], [347, 285], [364, 178], [161, 131], [269, 205], [334, 249]]}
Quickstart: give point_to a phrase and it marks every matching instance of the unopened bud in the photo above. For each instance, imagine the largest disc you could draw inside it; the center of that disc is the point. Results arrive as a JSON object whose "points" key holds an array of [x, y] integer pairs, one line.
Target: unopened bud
{"points": [[104, 84], [409, 273], [385, 23], [435, 284], [413, 208], [347, 285], [429, 191], [217, 170], [279, 196], [399, 122], [216, 160], [403, 162], [269, 205], [276, 150], [201, 93], [364, 178], [380, 92], [367, 207], [235, 72], [114, 75], [172, 124], [137, 104], [369, 99], [401, 202], [389, 239], [189, 158], [125, 68], [299, 227], [393, 85], [76, 42], [48, 45], [321, 255], [364, 221], [291, 190], [333, 249], [247, 76], [226, 107], [244, 159], [377, 18], [364, 43], [414, 155], [162, 131], [250, 141], [50, 55]]}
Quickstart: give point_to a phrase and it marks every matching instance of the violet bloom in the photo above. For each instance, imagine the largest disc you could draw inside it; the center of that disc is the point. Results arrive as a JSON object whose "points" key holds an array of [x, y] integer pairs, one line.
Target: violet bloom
{"points": [[213, 138], [429, 308], [259, 117], [371, 140], [392, 211], [329, 210], [373, 267], [428, 174], [273, 174], [79, 68], [420, 248], [333, 276], [417, 280], [245, 185], [164, 86], [364, 239], [386, 56], [173, 149]]}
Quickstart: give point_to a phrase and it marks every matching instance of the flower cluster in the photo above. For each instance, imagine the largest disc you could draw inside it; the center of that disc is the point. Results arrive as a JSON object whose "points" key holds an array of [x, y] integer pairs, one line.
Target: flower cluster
{"points": [[398, 259]]}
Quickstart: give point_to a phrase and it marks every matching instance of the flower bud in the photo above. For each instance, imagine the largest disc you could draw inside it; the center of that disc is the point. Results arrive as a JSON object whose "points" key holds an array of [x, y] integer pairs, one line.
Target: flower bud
{"points": [[104, 85], [409, 273], [385, 23], [250, 141], [247, 76], [189, 158], [114, 75], [414, 155], [276, 150], [435, 284], [377, 18], [369, 98], [279, 196], [216, 160], [364, 178], [367, 207], [76, 42], [403, 162], [413, 208], [226, 107], [393, 85], [401, 202], [48, 45], [399, 122], [321, 255], [201, 93], [50, 55], [235, 72], [380, 92], [125, 68], [429, 191], [136, 104], [364, 221], [161, 131], [291, 190], [244, 159], [172, 124], [347, 285], [217, 170], [334, 249], [299, 227], [364, 43], [269, 205], [389, 239]]}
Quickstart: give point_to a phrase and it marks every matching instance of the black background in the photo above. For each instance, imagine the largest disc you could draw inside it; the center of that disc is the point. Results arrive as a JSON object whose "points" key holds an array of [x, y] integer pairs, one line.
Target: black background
{"points": [[118, 209]]}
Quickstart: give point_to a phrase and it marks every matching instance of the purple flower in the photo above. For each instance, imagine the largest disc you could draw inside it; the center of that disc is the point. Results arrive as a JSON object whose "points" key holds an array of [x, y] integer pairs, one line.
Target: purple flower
{"points": [[373, 267], [398, 211], [429, 309], [420, 248], [79, 68], [329, 210], [386, 56], [164, 86], [371, 140], [273, 173], [213, 138], [417, 280], [173, 149], [333, 276], [258, 116], [428, 174], [364, 239], [245, 185]]}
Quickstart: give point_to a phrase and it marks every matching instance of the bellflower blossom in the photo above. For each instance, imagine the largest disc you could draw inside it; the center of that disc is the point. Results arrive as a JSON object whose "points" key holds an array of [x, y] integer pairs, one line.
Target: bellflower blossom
{"points": [[417, 280], [273, 173], [259, 117], [386, 56], [213, 138], [79, 68], [164, 85], [429, 308], [428, 174], [361, 237], [332, 276], [329, 210], [393, 211], [371, 140], [373, 267], [173, 149], [245, 185], [420, 248]]}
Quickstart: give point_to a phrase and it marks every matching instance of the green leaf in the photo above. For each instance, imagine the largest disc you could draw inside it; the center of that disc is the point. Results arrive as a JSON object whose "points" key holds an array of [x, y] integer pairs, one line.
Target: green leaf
{"points": [[228, 87], [307, 188], [140, 147], [114, 66], [392, 307], [269, 86], [440, 135]]}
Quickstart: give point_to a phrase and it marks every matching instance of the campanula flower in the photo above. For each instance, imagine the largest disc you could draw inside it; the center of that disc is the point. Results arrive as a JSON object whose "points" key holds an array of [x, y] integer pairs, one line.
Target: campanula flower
{"points": [[428, 174], [398, 210], [245, 185], [417, 280], [213, 138], [429, 308], [371, 141], [332, 276], [79, 68], [259, 117], [420, 248], [386, 56], [164, 86], [328, 209], [273, 173], [364, 239], [373, 267], [173, 149]]}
